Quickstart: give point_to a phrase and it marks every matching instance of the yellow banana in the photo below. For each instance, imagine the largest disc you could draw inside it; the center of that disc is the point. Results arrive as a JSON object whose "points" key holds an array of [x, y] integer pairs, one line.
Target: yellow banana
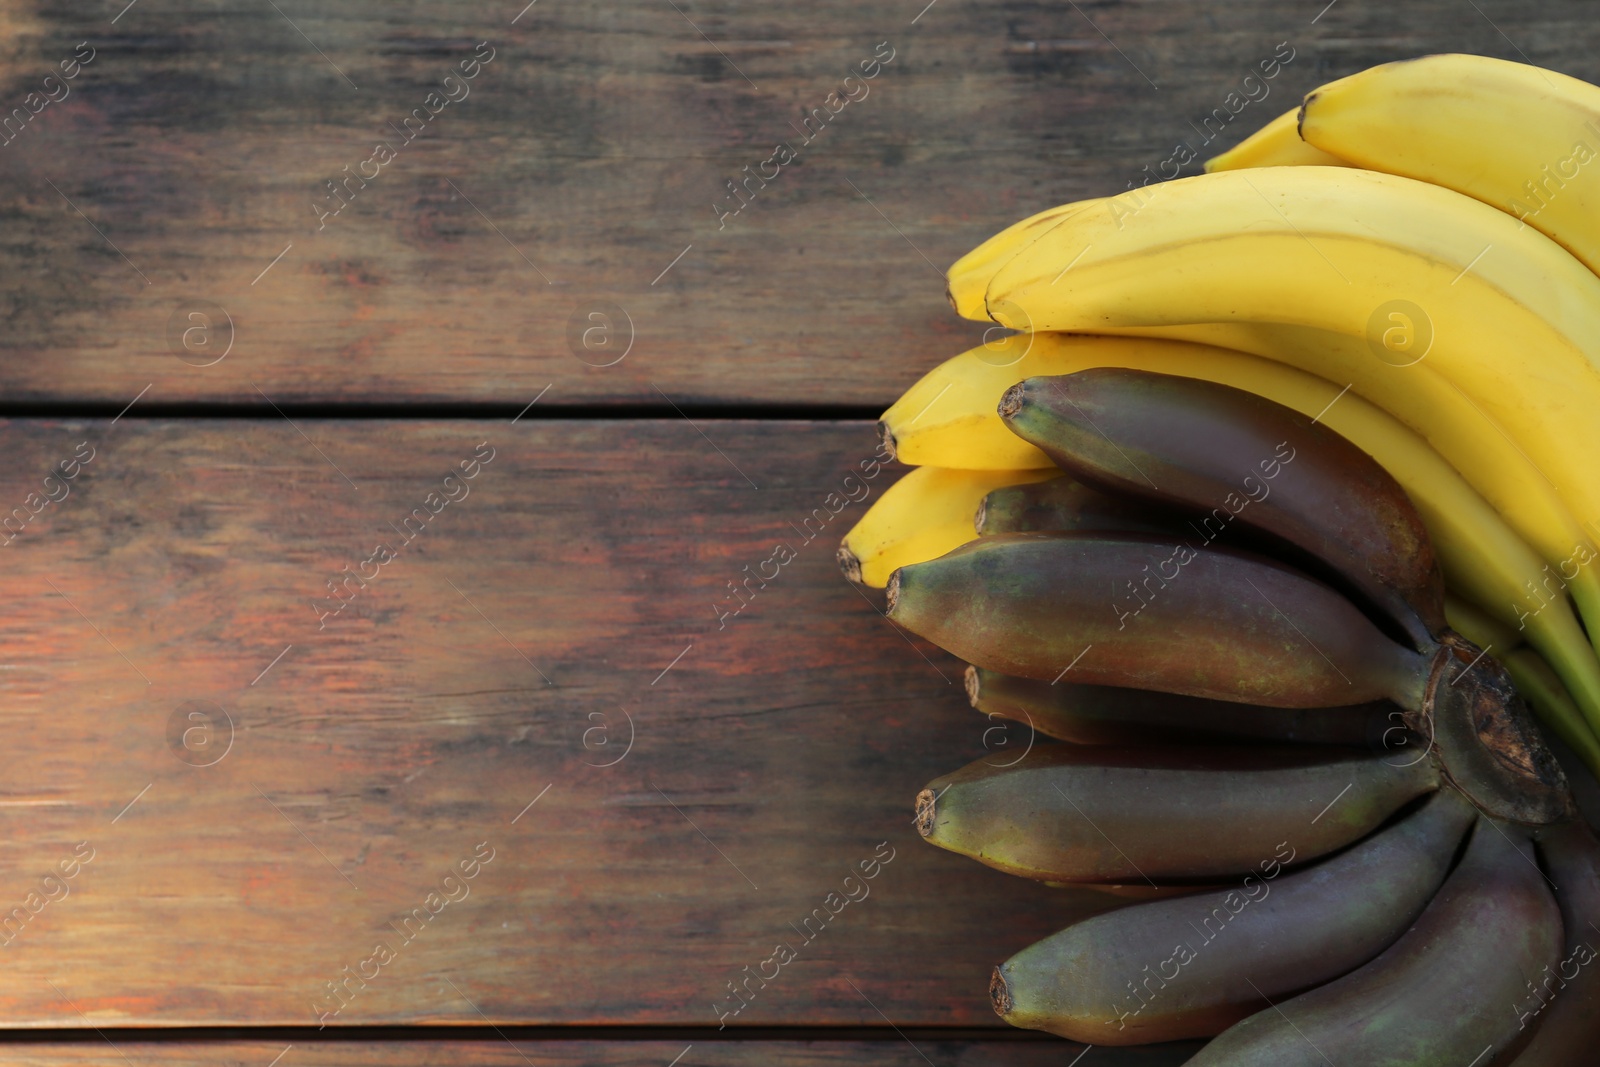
{"points": [[1517, 137], [1277, 144], [969, 276], [921, 517], [1480, 555]]}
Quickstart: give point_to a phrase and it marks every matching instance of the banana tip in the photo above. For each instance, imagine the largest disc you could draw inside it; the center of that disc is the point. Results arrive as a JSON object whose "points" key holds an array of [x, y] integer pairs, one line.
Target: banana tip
{"points": [[981, 514], [950, 296], [891, 592], [848, 562], [1300, 119], [886, 436], [999, 994], [1011, 402], [926, 802], [970, 680]]}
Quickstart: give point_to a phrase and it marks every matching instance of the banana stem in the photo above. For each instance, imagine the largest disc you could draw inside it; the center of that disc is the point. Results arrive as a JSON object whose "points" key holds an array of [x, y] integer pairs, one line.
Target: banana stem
{"points": [[1535, 679]]}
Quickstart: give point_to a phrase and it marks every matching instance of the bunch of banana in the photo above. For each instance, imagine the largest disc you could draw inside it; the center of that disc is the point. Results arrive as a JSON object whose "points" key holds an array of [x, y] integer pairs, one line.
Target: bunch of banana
{"points": [[1384, 898], [1276, 506]]}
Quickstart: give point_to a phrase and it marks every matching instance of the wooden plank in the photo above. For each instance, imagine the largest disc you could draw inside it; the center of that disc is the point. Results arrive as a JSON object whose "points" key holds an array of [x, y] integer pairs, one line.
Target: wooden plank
{"points": [[497, 659], [495, 1052], [585, 162]]}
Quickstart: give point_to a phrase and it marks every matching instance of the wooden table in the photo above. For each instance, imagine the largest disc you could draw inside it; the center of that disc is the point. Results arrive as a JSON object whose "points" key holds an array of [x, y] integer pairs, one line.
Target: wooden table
{"points": [[406, 536]]}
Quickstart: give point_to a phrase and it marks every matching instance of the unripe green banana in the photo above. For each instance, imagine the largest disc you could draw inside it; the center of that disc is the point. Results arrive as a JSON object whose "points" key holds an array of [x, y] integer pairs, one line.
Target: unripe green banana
{"points": [[1217, 623], [1193, 966], [1443, 994], [1065, 504], [1562, 1004], [1107, 715], [1070, 814], [1233, 455]]}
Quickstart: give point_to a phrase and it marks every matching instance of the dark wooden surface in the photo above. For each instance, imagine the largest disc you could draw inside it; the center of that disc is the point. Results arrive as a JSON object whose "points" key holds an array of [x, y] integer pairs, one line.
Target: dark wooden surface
{"points": [[502, 652], [586, 158], [533, 619]]}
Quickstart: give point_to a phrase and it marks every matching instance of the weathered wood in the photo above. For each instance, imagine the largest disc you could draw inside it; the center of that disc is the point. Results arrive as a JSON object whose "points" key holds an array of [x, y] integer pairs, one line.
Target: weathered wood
{"points": [[380, 750], [495, 661], [586, 161], [548, 1052]]}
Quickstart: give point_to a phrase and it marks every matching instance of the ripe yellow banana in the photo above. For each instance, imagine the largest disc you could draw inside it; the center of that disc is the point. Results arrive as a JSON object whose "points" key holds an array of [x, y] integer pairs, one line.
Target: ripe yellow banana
{"points": [[1480, 555], [921, 517], [969, 276], [1277, 144], [1500, 312], [1516, 137]]}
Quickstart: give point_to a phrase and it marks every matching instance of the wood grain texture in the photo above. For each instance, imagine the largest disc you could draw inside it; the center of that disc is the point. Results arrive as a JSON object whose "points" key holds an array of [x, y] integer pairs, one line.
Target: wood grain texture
{"points": [[568, 1053], [500, 654], [570, 602], [585, 160]]}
